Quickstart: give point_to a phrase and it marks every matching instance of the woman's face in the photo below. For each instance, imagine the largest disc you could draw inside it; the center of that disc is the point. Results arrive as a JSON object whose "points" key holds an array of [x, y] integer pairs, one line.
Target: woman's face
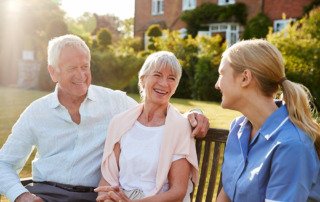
{"points": [[229, 84], [159, 86]]}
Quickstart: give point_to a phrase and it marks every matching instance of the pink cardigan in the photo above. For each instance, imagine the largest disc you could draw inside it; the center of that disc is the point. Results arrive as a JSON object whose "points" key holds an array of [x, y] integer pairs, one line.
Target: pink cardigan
{"points": [[176, 140]]}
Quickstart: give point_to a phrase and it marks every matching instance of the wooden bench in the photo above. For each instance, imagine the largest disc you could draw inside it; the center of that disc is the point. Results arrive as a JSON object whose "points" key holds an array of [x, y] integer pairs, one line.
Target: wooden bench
{"points": [[210, 151], [209, 163]]}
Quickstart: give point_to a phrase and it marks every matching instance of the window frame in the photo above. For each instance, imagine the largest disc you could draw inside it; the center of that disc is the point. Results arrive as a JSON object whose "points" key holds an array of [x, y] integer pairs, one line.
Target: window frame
{"points": [[284, 22], [224, 2], [186, 4], [157, 7]]}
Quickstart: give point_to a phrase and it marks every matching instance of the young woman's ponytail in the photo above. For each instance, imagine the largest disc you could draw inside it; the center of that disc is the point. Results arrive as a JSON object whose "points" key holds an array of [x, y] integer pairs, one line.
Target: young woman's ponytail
{"points": [[301, 109]]}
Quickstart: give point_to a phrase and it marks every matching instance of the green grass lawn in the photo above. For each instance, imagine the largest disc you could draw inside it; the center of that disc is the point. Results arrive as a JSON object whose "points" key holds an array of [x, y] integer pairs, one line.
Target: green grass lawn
{"points": [[13, 101]]}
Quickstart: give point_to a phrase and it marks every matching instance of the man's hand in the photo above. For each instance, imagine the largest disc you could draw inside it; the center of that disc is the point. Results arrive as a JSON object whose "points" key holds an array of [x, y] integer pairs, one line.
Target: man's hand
{"points": [[199, 122], [28, 197]]}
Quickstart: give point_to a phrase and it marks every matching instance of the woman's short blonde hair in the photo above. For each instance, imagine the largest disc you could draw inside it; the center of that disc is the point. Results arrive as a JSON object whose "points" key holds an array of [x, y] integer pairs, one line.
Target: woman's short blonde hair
{"points": [[158, 61]]}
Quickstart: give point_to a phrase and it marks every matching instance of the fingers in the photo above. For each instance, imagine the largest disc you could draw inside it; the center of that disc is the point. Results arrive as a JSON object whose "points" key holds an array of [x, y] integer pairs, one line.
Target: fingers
{"points": [[106, 188], [192, 119], [105, 191], [114, 196], [202, 126]]}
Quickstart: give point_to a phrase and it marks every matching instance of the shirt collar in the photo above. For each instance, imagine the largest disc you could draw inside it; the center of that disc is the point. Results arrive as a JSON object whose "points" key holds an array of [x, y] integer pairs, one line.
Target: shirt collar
{"points": [[272, 124], [91, 95], [275, 121]]}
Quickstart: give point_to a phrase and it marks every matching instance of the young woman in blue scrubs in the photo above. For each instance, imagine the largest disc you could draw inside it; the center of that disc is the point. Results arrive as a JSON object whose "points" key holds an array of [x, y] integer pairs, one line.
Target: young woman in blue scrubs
{"points": [[272, 153]]}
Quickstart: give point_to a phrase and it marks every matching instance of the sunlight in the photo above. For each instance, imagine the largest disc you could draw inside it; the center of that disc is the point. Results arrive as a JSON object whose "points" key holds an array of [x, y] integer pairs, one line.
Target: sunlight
{"points": [[13, 6], [123, 9]]}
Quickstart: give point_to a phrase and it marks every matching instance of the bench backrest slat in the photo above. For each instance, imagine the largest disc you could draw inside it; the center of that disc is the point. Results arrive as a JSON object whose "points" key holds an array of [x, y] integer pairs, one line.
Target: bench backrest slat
{"points": [[210, 153]]}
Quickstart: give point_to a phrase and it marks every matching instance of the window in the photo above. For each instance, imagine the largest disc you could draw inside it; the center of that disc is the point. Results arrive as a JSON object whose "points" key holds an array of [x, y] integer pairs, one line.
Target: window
{"points": [[157, 7], [280, 24], [189, 4], [183, 32], [225, 2], [229, 31]]}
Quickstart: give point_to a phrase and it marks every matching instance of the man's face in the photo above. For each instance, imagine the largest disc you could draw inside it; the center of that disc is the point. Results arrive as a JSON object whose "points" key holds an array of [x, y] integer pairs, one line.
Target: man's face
{"points": [[73, 74]]}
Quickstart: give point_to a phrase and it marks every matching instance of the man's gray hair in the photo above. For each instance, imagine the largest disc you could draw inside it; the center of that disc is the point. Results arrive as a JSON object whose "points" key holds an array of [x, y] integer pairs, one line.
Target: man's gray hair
{"points": [[57, 44]]}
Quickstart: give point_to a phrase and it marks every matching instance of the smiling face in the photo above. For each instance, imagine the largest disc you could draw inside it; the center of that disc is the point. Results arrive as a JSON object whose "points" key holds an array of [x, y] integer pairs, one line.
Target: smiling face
{"points": [[229, 84], [159, 86], [73, 74]]}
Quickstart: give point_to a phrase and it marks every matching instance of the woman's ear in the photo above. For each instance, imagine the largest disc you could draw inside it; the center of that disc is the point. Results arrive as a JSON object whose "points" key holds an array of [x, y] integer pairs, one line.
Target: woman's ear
{"points": [[142, 81], [246, 78]]}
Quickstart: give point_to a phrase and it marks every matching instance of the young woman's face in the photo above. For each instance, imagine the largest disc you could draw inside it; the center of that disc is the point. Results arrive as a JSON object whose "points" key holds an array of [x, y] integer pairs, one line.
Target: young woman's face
{"points": [[229, 85]]}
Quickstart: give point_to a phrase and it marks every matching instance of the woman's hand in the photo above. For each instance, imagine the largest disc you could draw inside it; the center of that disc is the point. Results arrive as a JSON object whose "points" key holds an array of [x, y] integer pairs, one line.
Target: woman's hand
{"points": [[105, 193], [119, 196]]}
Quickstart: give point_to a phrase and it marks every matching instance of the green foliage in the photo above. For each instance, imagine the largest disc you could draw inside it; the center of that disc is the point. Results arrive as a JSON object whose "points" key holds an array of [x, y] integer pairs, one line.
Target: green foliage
{"points": [[199, 58], [127, 28], [257, 27], [114, 71], [83, 25], [129, 43], [206, 70], [212, 13], [104, 38], [314, 4], [299, 45], [153, 32]]}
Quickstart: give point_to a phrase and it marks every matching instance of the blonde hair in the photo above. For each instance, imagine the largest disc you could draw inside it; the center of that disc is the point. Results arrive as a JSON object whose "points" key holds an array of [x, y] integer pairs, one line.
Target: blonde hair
{"points": [[158, 61], [265, 62]]}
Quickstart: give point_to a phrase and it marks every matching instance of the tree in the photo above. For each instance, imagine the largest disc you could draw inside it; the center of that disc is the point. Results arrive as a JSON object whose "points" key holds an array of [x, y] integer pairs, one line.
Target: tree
{"points": [[257, 27], [30, 26], [199, 58], [126, 28], [104, 38], [153, 32], [299, 45], [83, 25]]}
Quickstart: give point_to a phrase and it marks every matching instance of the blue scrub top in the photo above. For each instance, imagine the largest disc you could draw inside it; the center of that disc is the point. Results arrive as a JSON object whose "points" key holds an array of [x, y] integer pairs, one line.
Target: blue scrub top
{"points": [[279, 164]]}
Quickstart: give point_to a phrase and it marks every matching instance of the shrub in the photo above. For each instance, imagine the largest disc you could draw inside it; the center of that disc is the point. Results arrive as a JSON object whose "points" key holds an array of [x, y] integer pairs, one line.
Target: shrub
{"points": [[300, 47], [154, 31], [257, 27], [212, 13], [114, 71], [199, 58], [104, 38]]}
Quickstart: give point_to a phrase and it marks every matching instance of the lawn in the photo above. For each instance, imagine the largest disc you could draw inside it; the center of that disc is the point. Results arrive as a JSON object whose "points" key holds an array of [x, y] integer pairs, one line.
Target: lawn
{"points": [[13, 101]]}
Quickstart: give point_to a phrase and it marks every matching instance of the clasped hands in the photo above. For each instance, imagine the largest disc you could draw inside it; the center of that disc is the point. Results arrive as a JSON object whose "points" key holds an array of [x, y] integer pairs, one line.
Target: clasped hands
{"points": [[111, 194]]}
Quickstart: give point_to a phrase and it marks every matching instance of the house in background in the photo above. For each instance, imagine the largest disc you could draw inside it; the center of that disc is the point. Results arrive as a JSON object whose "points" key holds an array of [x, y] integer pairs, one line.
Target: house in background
{"points": [[167, 14]]}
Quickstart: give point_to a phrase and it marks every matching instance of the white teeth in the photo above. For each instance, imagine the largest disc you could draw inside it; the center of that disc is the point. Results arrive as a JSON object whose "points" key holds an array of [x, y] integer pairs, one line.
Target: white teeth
{"points": [[159, 91]]}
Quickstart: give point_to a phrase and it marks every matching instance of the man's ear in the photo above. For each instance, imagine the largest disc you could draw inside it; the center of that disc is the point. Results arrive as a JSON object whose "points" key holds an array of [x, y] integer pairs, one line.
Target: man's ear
{"points": [[246, 78], [52, 72]]}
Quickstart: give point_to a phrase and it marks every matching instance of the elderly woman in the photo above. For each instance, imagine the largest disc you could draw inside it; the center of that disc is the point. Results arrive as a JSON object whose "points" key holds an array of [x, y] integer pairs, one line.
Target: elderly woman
{"points": [[149, 152], [272, 152]]}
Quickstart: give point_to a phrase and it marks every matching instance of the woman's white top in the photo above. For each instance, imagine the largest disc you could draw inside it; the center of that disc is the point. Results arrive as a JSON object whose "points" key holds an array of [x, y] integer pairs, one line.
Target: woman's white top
{"points": [[138, 161]]}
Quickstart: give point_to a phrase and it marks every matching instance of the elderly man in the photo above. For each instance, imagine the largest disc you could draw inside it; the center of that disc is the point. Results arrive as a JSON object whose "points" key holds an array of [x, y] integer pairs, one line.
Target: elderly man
{"points": [[68, 127]]}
